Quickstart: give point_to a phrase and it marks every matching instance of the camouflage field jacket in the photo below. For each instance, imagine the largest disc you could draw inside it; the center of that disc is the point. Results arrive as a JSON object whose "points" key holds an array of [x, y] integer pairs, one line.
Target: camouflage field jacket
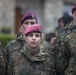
{"points": [[23, 63], [66, 58]]}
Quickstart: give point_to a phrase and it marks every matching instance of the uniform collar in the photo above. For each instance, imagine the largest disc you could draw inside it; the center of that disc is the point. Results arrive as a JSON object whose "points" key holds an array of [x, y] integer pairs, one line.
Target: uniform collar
{"points": [[41, 56], [20, 37], [70, 24]]}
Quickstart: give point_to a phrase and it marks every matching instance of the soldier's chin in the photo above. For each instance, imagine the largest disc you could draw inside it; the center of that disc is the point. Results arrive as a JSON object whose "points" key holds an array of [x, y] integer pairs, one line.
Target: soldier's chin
{"points": [[33, 46]]}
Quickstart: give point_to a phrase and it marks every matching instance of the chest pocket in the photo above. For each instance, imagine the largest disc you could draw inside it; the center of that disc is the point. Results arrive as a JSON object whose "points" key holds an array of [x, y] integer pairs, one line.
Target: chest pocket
{"points": [[39, 68]]}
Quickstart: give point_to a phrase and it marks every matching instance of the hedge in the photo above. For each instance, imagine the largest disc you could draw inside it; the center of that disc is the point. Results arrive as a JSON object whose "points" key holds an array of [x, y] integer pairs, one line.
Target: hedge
{"points": [[5, 38]]}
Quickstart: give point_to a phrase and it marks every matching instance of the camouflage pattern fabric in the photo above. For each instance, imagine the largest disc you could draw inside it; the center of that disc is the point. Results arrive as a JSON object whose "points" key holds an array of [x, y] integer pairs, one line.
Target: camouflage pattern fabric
{"points": [[58, 49], [66, 46], [2, 62], [24, 63], [61, 56], [47, 47], [71, 69], [69, 25], [12, 47], [58, 52]]}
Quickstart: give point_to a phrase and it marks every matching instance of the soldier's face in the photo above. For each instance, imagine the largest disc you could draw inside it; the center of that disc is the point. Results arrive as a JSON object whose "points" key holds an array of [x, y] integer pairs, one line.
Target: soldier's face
{"points": [[61, 24], [74, 15], [52, 40], [33, 39], [27, 23]]}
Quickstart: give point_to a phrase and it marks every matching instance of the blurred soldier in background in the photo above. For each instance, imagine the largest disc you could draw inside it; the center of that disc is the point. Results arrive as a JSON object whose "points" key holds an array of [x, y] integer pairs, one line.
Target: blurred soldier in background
{"points": [[50, 37], [63, 21], [57, 47], [66, 46]]}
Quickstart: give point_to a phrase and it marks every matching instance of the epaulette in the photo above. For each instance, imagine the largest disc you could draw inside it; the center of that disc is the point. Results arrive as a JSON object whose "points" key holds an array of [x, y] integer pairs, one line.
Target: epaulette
{"points": [[61, 32], [69, 25], [20, 37], [71, 30], [64, 31]]}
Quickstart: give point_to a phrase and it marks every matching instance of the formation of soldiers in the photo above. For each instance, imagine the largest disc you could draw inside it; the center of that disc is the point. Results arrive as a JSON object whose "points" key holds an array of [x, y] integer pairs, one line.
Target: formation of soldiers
{"points": [[20, 58]]}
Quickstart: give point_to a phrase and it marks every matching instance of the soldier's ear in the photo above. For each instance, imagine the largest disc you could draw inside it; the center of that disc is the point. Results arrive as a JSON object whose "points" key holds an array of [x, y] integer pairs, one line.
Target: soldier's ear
{"points": [[21, 29]]}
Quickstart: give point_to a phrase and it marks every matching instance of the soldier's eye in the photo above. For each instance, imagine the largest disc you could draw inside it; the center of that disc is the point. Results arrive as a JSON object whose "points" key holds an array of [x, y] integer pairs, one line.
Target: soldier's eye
{"points": [[32, 23], [26, 23], [30, 34], [37, 35]]}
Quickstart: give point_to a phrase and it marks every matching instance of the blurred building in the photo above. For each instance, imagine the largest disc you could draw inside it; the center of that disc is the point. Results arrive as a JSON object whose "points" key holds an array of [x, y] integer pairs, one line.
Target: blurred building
{"points": [[47, 11]]}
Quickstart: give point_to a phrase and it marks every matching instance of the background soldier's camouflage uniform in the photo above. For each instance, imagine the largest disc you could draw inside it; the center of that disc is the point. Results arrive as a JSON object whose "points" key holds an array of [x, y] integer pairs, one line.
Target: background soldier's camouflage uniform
{"points": [[2, 62], [66, 58], [24, 63], [71, 70], [14, 46]]}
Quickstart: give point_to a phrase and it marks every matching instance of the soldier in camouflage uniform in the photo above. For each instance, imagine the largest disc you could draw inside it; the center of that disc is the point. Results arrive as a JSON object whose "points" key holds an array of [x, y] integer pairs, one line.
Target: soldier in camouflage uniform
{"points": [[66, 46], [2, 62], [17, 44], [32, 59]]}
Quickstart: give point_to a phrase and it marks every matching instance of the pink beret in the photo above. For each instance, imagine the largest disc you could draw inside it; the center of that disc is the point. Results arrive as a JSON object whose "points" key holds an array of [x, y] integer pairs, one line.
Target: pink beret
{"points": [[27, 16], [74, 7], [33, 28]]}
